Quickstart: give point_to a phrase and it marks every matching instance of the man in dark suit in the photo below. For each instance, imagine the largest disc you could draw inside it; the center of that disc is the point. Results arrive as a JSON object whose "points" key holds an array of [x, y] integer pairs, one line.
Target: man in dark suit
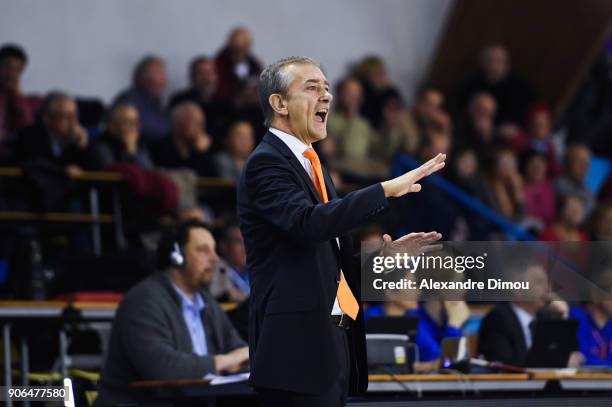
{"points": [[187, 145], [57, 137], [306, 337], [505, 333], [204, 82], [167, 326]]}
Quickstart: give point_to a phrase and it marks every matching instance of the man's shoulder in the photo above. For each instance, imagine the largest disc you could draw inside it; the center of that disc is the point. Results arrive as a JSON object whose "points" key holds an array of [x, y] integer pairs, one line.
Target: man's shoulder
{"points": [[211, 302], [149, 291], [32, 131], [125, 96], [499, 313], [264, 152]]}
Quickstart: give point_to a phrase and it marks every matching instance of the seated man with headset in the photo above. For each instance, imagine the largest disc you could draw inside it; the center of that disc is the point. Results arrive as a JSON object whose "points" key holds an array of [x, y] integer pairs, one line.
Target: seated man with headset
{"points": [[167, 326]]}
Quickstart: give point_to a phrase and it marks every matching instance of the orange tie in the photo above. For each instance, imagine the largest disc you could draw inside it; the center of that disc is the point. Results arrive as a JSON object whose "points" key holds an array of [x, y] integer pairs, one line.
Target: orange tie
{"points": [[346, 299]]}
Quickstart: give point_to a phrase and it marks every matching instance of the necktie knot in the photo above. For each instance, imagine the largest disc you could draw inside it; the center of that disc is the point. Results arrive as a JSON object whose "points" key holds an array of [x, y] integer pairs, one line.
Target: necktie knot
{"points": [[311, 154]]}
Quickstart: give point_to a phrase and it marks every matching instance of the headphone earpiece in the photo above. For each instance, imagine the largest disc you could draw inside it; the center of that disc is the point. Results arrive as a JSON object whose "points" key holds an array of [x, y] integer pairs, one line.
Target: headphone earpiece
{"points": [[176, 256]]}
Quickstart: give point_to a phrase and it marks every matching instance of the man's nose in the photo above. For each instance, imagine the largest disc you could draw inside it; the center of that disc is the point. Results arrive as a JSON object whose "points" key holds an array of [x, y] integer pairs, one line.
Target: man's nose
{"points": [[327, 97]]}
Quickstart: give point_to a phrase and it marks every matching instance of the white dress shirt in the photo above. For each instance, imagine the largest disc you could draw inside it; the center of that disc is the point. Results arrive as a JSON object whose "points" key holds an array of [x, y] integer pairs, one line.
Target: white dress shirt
{"points": [[525, 319], [297, 147]]}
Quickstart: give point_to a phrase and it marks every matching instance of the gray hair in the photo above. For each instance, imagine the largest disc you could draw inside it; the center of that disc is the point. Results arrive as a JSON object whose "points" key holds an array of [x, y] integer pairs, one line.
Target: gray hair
{"points": [[276, 79], [114, 111], [143, 65], [177, 110], [48, 103]]}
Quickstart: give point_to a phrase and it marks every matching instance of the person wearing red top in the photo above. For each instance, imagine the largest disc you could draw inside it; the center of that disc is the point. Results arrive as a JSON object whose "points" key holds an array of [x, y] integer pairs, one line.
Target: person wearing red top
{"points": [[567, 227], [538, 191], [237, 68], [16, 109], [539, 128]]}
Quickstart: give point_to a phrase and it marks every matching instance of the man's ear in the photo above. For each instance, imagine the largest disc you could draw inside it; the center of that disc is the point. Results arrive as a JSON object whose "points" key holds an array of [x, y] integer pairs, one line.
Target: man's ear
{"points": [[278, 104]]}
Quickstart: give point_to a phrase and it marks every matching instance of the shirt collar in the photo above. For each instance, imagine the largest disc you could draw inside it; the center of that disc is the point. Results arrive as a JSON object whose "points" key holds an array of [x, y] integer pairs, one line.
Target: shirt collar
{"points": [[524, 317], [296, 146], [197, 302]]}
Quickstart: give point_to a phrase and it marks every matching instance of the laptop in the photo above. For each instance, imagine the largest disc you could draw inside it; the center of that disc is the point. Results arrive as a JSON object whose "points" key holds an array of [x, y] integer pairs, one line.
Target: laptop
{"points": [[553, 342], [390, 344]]}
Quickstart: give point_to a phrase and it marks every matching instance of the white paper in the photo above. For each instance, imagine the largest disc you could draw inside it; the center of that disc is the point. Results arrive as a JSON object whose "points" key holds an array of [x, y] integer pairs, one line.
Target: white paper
{"points": [[235, 378]]}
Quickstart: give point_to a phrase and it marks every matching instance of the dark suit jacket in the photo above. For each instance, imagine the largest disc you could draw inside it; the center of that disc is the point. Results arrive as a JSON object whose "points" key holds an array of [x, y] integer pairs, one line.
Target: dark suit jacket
{"points": [[218, 113], [150, 341], [166, 155], [33, 143], [501, 337], [293, 264]]}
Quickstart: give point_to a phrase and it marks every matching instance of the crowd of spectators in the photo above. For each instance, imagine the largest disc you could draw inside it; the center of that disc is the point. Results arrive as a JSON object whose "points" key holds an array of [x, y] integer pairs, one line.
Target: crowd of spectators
{"points": [[499, 135]]}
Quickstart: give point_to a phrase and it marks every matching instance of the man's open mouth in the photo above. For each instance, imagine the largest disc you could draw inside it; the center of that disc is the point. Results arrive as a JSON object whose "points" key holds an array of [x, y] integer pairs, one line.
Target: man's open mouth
{"points": [[321, 115]]}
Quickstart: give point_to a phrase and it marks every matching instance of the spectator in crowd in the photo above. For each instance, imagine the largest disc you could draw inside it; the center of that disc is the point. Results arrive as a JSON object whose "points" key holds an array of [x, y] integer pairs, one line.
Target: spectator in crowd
{"points": [[237, 68], [512, 93], [588, 117], [202, 90], [601, 223], [605, 193], [57, 137], [403, 129], [478, 130], [465, 173], [188, 145], [238, 71], [567, 227], [239, 143], [505, 331], [539, 126], [573, 179], [372, 73], [16, 109], [231, 282], [355, 138], [439, 318], [504, 184], [146, 93], [595, 322], [418, 209], [121, 142], [428, 113], [540, 204], [397, 132], [168, 326]]}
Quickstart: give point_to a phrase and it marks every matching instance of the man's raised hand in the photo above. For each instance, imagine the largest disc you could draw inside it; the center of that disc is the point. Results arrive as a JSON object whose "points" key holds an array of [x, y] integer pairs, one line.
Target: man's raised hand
{"points": [[408, 182]]}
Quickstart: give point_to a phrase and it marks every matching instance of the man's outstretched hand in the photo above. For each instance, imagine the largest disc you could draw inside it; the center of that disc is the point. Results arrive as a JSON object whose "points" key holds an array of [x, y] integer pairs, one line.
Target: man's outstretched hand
{"points": [[408, 182], [412, 244]]}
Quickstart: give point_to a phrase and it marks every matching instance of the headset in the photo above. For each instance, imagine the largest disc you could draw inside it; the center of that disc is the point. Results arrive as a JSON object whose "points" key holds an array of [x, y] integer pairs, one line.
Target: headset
{"points": [[172, 240], [177, 259]]}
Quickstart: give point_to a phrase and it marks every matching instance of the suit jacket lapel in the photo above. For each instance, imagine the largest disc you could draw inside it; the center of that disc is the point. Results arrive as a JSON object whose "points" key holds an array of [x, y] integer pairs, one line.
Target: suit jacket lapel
{"points": [[516, 327], [329, 185], [332, 194], [297, 166]]}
